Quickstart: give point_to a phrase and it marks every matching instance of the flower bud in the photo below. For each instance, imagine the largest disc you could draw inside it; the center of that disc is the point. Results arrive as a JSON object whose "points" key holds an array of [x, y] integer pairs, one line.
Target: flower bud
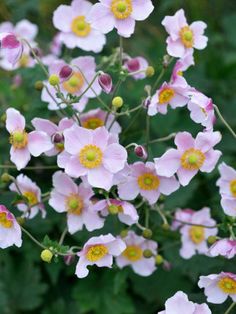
{"points": [[159, 259], [46, 256], [5, 177], [165, 226], [133, 65], [20, 220], [38, 85], [147, 233], [147, 102], [147, 253], [140, 152], [211, 239], [65, 72], [105, 81], [69, 259], [54, 80], [117, 102], [150, 71], [124, 233], [58, 138]]}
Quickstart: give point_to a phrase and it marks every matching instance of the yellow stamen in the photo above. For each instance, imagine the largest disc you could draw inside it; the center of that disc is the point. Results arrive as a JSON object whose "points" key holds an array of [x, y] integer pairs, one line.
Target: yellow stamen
{"points": [[31, 197], [19, 139], [121, 9], [233, 187], [74, 84], [96, 252], [74, 204], [91, 156], [24, 61], [148, 181], [4, 221], [92, 123], [133, 253], [186, 36], [197, 234], [165, 95], [227, 285], [192, 159], [80, 27]]}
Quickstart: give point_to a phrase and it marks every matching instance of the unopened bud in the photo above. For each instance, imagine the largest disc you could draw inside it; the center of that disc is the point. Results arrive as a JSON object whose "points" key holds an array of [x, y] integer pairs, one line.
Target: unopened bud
{"points": [[58, 138], [166, 61], [38, 85], [147, 253], [46, 256], [133, 65], [166, 226], [124, 233], [20, 220], [105, 81], [117, 102], [5, 177], [69, 259], [140, 152], [159, 259], [211, 239], [147, 233], [54, 80], [150, 71], [147, 102], [65, 72]]}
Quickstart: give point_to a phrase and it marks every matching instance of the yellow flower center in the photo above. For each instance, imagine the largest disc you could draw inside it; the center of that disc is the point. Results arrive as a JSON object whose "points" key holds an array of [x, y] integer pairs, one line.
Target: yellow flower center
{"points": [[19, 139], [121, 9], [24, 61], [74, 204], [31, 197], [59, 146], [4, 221], [92, 123], [180, 73], [96, 252], [192, 159], [186, 36], [133, 253], [233, 187], [148, 181], [166, 95], [80, 27], [115, 209], [197, 234], [74, 84], [227, 285], [90, 156]]}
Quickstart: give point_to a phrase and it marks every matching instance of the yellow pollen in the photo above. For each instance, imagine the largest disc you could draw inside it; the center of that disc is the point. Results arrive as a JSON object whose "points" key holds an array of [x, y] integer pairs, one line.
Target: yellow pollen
{"points": [[227, 285], [74, 204], [192, 159], [233, 187], [74, 84], [31, 197], [133, 253], [180, 73], [197, 234], [96, 252], [148, 181], [80, 27], [165, 95], [24, 61], [19, 139], [4, 221], [121, 9], [59, 146], [92, 123], [186, 36], [90, 156]]}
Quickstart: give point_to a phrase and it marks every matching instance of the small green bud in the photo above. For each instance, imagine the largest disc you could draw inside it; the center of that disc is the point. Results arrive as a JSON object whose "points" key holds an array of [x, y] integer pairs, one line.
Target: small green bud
{"points": [[38, 85], [150, 71], [54, 80], [166, 226], [159, 259], [211, 239], [124, 233], [147, 233], [3, 118], [46, 256], [117, 102], [147, 253], [5, 177], [20, 220]]}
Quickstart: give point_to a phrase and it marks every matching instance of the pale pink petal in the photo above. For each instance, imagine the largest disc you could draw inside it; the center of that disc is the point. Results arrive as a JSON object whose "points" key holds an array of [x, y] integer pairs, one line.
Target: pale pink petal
{"points": [[125, 27], [20, 157], [76, 138], [100, 178], [62, 18], [92, 220], [128, 190], [212, 157], [206, 140], [142, 9], [114, 158], [64, 184], [74, 223], [101, 18], [168, 164], [175, 48], [74, 168], [100, 137], [15, 121], [168, 185], [185, 176], [38, 143], [184, 141], [58, 202], [44, 125]]}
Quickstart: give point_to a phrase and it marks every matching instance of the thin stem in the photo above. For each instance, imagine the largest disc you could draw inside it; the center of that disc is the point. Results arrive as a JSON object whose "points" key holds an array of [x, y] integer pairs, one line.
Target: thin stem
{"points": [[163, 139], [147, 217], [63, 236], [163, 217], [140, 226], [158, 79], [191, 224], [33, 238], [121, 52], [29, 168], [147, 132], [224, 121], [230, 308]]}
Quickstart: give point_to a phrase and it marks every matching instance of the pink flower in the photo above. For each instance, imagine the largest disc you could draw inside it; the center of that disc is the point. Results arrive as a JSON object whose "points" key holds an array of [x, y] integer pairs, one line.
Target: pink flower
{"points": [[96, 118], [190, 156], [24, 144], [179, 304], [182, 65], [201, 109], [126, 212], [105, 81], [144, 180], [54, 132], [181, 215], [93, 155], [173, 94], [56, 45], [11, 47], [119, 14], [227, 185], [218, 287], [194, 238], [183, 37], [10, 231], [133, 254], [76, 201], [76, 31], [84, 71], [138, 64], [223, 247], [98, 251], [32, 193]]}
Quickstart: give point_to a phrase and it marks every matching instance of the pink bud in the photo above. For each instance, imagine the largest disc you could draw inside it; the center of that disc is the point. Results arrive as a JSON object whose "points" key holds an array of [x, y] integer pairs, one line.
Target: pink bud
{"points": [[10, 42], [69, 259], [133, 65], [140, 151], [57, 138], [167, 266], [147, 102], [65, 72], [105, 81]]}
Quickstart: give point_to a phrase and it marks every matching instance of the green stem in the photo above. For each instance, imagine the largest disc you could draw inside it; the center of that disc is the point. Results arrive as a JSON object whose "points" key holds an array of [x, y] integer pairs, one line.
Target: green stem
{"points": [[230, 308], [121, 52], [29, 168], [191, 224], [163, 217], [147, 217], [147, 132], [163, 139], [63, 236], [224, 121]]}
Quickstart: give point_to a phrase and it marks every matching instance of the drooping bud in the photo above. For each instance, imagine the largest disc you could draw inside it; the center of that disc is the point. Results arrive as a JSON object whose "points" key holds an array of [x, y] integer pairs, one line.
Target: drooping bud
{"points": [[69, 259], [147, 253], [159, 259], [211, 239], [140, 152], [117, 102], [147, 233], [133, 65], [46, 256], [150, 71], [38, 85], [105, 81], [5, 177], [65, 72], [124, 233]]}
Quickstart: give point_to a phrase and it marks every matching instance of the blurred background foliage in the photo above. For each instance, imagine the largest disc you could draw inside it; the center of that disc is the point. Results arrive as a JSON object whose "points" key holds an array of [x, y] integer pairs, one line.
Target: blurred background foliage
{"points": [[27, 285]]}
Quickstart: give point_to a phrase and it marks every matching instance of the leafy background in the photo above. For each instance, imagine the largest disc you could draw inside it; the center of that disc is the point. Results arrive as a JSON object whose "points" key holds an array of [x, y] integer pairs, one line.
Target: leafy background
{"points": [[27, 285]]}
